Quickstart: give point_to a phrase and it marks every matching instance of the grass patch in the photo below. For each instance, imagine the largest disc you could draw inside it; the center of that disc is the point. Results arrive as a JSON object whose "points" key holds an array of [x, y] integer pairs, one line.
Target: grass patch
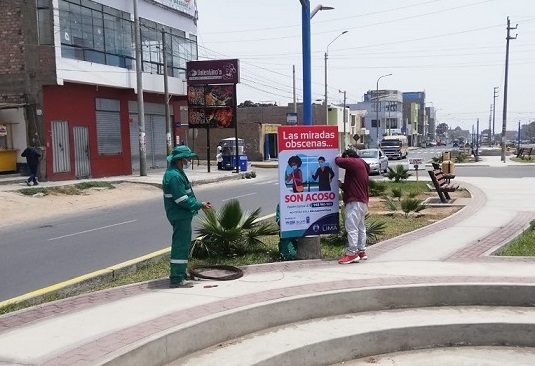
{"points": [[526, 159], [69, 190], [523, 246]]}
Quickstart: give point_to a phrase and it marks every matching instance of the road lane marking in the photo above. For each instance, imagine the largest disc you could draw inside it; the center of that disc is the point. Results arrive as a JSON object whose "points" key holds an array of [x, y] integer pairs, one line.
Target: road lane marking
{"points": [[95, 229], [102, 273], [243, 195]]}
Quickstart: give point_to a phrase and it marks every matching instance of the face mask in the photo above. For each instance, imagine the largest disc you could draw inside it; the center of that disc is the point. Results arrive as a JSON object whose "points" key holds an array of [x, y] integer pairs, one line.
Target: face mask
{"points": [[322, 165], [294, 167], [186, 165]]}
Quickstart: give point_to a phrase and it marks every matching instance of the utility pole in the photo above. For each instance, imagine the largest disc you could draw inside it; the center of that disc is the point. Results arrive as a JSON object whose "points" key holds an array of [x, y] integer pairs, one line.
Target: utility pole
{"points": [[490, 126], [504, 124], [295, 101], [518, 143], [494, 114], [344, 121], [168, 128], [477, 142], [140, 105]]}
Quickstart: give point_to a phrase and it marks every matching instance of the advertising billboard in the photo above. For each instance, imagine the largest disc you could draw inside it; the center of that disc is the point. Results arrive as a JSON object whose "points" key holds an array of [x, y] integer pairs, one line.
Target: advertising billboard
{"points": [[213, 72], [308, 180], [211, 106]]}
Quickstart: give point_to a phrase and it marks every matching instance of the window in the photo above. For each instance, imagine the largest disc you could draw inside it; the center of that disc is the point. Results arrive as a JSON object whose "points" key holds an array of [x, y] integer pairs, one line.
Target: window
{"points": [[391, 123], [109, 139], [377, 107], [374, 123], [391, 107], [180, 49], [96, 33]]}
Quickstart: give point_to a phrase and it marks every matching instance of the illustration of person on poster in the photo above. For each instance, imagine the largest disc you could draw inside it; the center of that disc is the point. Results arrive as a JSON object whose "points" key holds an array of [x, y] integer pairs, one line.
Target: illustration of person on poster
{"points": [[308, 195], [296, 175], [324, 173]]}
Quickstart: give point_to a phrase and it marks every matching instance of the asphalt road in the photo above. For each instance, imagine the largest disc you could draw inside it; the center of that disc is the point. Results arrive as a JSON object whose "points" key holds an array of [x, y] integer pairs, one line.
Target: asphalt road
{"points": [[51, 251]]}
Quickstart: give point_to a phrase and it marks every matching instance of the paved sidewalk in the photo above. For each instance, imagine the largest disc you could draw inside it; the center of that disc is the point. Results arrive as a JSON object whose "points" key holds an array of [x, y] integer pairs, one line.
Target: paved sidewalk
{"points": [[93, 328]]}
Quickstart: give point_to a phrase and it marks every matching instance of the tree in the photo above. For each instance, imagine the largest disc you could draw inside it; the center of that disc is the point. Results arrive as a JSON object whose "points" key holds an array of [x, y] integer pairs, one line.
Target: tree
{"points": [[442, 129]]}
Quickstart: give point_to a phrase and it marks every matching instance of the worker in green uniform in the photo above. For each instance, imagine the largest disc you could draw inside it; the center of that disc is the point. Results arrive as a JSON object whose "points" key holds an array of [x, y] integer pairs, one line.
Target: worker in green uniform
{"points": [[180, 207]]}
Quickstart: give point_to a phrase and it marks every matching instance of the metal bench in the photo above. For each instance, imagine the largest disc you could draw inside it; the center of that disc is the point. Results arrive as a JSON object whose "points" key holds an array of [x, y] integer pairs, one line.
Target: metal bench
{"points": [[523, 152]]}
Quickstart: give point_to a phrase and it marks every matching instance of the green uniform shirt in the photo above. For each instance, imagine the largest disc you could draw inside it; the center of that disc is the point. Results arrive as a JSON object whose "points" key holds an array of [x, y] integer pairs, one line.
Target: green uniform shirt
{"points": [[178, 197]]}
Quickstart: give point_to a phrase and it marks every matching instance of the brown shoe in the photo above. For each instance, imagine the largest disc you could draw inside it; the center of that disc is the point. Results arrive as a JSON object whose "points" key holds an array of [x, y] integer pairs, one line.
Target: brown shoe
{"points": [[181, 284]]}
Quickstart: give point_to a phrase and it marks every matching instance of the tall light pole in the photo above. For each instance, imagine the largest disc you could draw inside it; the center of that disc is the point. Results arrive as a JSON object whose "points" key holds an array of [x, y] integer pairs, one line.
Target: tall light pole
{"points": [[377, 107], [326, 56], [344, 120], [306, 15], [504, 124], [494, 114]]}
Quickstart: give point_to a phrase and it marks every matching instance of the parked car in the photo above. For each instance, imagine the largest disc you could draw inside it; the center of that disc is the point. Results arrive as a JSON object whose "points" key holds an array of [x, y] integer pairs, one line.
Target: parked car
{"points": [[376, 159]]}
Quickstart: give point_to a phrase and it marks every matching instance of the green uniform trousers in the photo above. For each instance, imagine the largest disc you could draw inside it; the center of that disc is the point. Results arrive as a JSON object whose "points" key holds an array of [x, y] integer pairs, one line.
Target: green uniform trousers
{"points": [[180, 248]]}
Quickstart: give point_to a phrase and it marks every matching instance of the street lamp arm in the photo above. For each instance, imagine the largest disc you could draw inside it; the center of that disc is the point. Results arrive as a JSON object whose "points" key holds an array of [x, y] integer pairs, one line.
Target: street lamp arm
{"points": [[327, 50], [317, 8]]}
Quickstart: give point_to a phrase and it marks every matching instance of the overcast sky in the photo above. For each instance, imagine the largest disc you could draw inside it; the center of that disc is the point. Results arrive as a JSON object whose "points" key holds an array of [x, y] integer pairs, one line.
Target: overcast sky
{"points": [[454, 50]]}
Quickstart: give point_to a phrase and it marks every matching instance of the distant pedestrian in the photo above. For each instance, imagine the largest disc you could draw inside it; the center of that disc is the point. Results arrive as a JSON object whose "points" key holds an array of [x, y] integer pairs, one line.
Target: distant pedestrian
{"points": [[325, 175], [32, 158], [180, 206], [356, 198], [219, 158]]}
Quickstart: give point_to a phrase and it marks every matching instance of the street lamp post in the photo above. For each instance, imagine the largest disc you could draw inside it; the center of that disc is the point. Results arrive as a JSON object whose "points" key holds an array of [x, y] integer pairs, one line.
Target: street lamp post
{"points": [[306, 15], [377, 107], [326, 56], [344, 120]]}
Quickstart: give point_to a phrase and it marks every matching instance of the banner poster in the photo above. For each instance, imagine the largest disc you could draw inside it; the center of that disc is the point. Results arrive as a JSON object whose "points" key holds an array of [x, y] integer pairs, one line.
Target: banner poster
{"points": [[308, 180]]}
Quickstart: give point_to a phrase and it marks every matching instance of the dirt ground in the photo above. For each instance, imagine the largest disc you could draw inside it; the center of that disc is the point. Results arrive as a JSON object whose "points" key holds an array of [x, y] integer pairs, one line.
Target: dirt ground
{"points": [[16, 208]]}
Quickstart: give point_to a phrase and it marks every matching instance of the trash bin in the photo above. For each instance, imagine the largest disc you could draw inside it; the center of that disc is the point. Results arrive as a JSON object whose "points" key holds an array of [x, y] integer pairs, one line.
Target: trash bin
{"points": [[448, 167], [243, 163], [446, 155]]}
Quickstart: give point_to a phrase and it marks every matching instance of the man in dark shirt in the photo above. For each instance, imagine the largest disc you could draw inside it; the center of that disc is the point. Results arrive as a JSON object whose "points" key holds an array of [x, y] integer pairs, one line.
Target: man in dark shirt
{"points": [[356, 198], [32, 158], [325, 175]]}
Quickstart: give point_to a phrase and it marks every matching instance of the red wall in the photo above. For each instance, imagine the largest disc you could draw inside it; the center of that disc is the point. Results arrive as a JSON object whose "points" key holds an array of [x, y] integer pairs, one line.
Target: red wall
{"points": [[75, 103]]}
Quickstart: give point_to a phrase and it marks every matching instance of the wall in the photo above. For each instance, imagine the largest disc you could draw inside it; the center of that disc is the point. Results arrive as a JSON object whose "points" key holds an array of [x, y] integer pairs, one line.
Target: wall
{"points": [[75, 103]]}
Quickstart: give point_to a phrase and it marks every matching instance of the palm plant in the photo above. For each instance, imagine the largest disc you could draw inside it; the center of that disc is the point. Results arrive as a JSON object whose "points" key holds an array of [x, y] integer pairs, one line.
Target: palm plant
{"points": [[411, 205], [373, 230], [230, 231], [398, 174], [390, 205], [397, 193], [376, 188]]}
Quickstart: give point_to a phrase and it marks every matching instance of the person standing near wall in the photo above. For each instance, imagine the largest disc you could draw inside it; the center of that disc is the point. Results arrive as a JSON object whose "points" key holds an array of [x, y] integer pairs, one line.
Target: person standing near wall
{"points": [[32, 158], [219, 158], [356, 198], [180, 206]]}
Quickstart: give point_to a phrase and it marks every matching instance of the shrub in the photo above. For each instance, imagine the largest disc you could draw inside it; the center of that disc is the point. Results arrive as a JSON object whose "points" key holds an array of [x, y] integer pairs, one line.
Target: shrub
{"points": [[230, 231], [397, 193], [375, 188], [399, 174], [411, 205]]}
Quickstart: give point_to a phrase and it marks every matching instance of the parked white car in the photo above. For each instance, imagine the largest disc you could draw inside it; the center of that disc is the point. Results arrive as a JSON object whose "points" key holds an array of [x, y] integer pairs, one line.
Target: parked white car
{"points": [[376, 159]]}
